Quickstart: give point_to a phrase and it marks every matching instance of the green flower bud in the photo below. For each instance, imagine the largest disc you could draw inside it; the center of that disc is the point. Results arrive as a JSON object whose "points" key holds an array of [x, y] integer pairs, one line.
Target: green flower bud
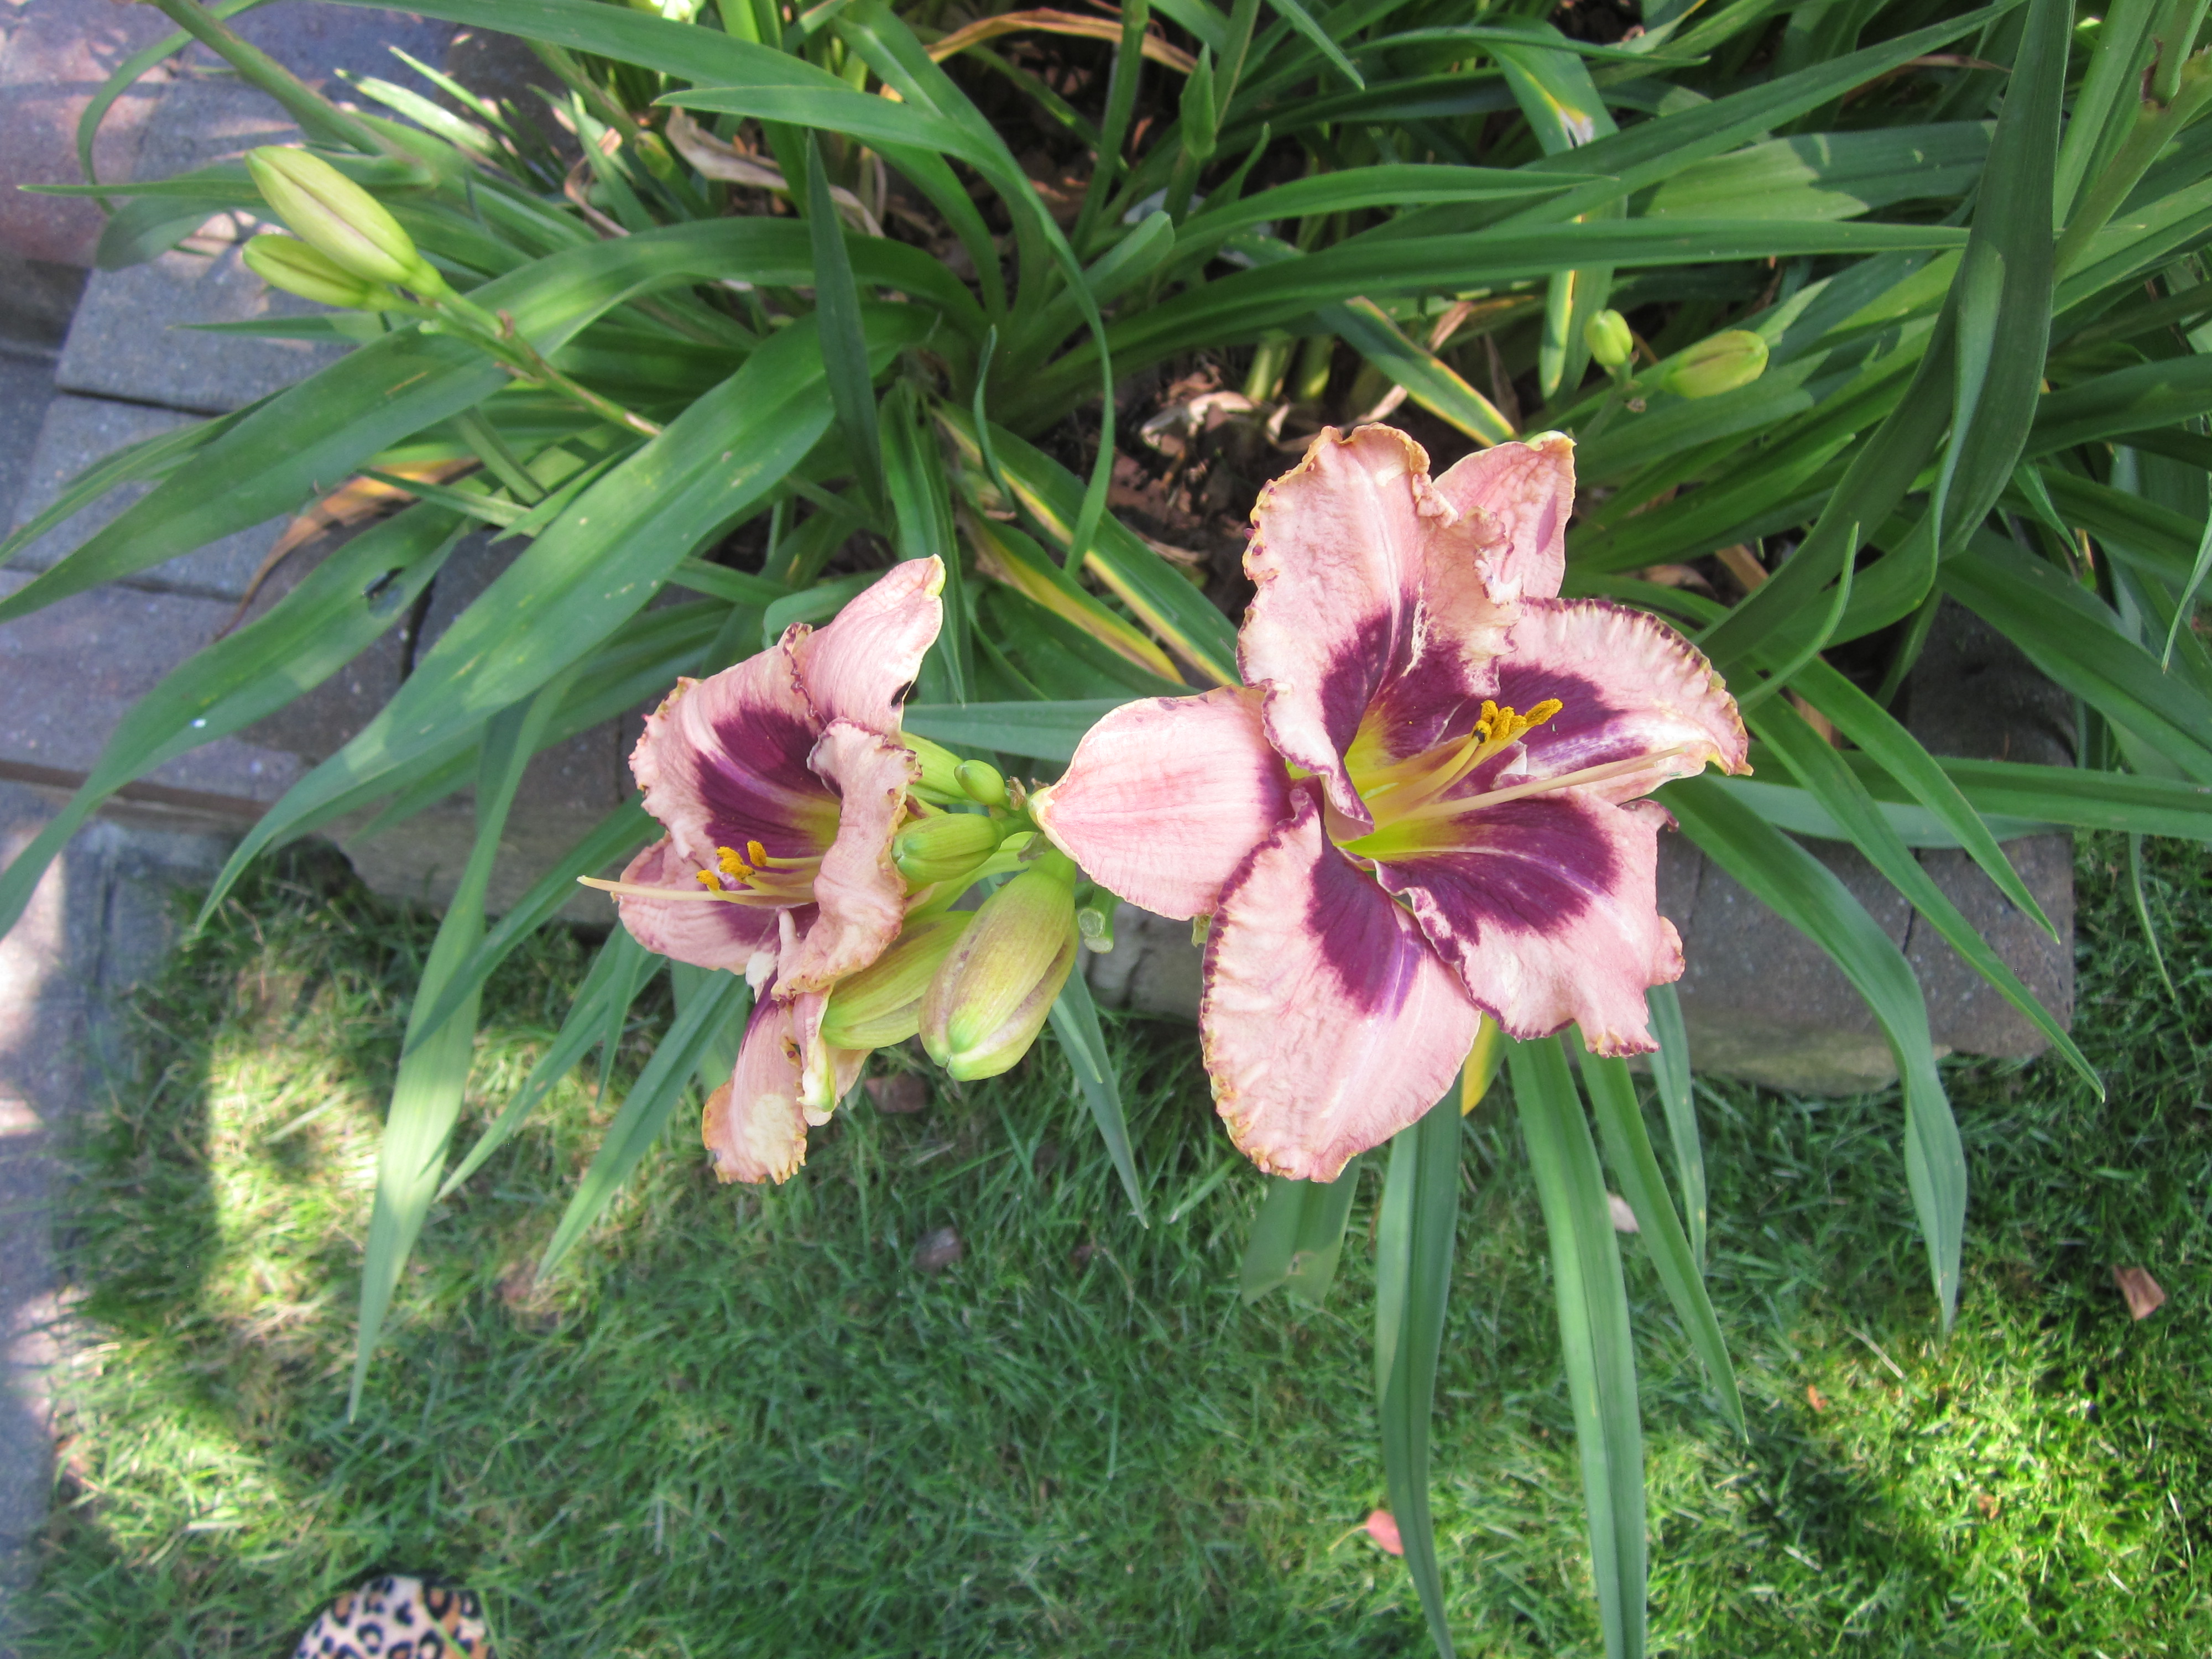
{"points": [[992, 996], [1732, 358], [882, 1004], [1610, 343], [339, 218], [940, 769], [1200, 123], [940, 847], [985, 784], [285, 262]]}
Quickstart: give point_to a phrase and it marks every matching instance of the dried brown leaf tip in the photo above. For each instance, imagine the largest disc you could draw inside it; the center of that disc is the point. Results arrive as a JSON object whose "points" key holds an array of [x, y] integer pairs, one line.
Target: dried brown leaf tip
{"points": [[1815, 1399], [2144, 1294]]}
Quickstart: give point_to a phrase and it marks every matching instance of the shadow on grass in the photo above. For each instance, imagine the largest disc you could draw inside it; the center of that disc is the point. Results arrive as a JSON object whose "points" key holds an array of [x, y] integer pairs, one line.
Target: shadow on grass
{"points": [[742, 1422]]}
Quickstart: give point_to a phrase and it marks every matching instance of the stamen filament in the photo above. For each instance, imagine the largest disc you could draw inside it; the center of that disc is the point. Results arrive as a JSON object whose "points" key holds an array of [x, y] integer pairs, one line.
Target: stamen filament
{"points": [[1448, 809], [638, 890]]}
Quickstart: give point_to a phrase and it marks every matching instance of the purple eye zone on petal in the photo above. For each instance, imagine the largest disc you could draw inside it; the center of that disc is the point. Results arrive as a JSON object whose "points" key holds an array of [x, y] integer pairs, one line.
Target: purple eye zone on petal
{"points": [[757, 786], [1353, 678], [1526, 867], [1370, 946], [1580, 720]]}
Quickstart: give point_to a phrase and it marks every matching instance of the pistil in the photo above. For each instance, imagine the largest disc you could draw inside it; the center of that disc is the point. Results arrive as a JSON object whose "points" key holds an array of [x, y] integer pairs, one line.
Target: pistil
{"points": [[1395, 836]]}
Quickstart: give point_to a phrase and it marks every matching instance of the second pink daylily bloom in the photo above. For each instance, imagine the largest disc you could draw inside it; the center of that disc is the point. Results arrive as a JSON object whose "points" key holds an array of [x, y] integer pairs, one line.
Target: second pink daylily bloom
{"points": [[782, 783], [1423, 807]]}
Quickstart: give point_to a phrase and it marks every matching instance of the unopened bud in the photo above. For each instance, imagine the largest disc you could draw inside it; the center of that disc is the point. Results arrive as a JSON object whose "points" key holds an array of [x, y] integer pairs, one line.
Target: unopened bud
{"points": [[996, 989], [1732, 358], [1609, 341], [939, 849], [287, 263], [985, 784], [340, 219], [882, 1004], [941, 769], [1200, 124]]}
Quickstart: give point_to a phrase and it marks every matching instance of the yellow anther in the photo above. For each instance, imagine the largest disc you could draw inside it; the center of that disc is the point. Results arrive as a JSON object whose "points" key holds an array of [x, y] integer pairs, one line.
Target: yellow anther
{"points": [[758, 854], [731, 864], [709, 880]]}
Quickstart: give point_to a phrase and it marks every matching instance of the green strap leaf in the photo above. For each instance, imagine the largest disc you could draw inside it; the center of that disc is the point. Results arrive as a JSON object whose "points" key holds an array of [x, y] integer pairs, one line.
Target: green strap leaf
{"points": [[1041, 731], [1670, 1074], [1297, 1237], [619, 971], [720, 1005], [844, 343], [617, 835], [1594, 1343], [1804, 892], [1628, 1151], [1413, 1238], [921, 512], [1075, 1020], [426, 1095]]}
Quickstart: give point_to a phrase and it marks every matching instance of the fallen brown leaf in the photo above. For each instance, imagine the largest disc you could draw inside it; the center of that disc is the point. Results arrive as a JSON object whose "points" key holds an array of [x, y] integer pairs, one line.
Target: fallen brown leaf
{"points": [[2144, 1294], [1815, 1398]]}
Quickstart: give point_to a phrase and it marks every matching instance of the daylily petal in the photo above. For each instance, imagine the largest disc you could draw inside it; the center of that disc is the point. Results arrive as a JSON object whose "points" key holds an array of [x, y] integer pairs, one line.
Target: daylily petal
{"points": [[1369, 581], [1527, 490], [1167, 797], [1548, 907], [857, 667], [1328, 1023], [740, 938], [752, 1124], [860, 893], [1628, 685], [723, 763], [826, 1074]]}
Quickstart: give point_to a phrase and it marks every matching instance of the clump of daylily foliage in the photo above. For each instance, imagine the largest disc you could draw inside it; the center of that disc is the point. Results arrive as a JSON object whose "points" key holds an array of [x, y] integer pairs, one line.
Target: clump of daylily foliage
{"points": [[892, 382]]}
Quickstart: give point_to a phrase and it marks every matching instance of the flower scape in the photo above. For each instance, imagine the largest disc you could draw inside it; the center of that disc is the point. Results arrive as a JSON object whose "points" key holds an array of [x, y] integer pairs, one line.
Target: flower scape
{"points": [[1424, 807]]}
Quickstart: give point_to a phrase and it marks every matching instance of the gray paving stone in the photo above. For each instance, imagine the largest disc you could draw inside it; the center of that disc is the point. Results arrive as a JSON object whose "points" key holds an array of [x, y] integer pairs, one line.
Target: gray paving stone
{"points": [[130, 338], [98, 925], [37, 299], [74, 668], [78, 431], [27, 387]]}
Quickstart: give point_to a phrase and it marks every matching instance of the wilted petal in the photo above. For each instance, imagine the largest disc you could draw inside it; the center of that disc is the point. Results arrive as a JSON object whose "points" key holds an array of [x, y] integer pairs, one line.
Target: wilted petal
{"points": [[752, 1124], [1527, 490], [860, 893], [826, 1074], [1166, 798], [1548, 907], [723, 763], [1370, 582], [739, 938], [1328, 1023], [1627, 685], [857, 667]]}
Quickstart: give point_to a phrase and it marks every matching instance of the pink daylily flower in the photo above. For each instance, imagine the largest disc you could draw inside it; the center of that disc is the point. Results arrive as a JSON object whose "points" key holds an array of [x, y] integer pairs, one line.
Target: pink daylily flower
{"points": [[1423, 806], [782, 783]]}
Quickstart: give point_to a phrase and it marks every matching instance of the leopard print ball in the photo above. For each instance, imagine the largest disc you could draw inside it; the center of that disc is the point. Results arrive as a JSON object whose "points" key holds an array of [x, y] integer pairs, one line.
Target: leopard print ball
{"points": [[395, 1618]]}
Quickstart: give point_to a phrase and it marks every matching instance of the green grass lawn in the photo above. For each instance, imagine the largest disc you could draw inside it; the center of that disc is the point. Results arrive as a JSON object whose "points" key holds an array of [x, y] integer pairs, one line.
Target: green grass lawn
{"points": [[739, 1422]]}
